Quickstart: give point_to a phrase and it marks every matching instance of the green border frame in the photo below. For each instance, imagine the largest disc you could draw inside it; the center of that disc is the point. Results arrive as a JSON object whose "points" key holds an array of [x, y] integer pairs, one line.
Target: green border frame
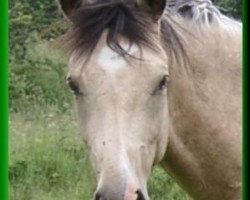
{"points": [[245, 100], [4, 99]]}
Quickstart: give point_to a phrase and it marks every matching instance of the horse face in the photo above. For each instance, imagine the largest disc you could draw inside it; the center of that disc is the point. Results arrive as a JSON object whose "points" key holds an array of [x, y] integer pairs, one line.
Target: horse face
{"points": [[121, 98], [123, 116]]}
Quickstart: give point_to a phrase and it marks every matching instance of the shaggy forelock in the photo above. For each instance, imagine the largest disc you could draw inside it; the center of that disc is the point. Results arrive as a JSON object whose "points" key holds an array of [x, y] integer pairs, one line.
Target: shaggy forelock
{"points": [[120, 19]]}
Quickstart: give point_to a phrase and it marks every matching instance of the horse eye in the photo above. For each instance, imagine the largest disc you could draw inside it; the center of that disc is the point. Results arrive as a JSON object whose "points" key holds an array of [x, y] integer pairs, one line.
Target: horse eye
{"points": [[164, 82], [73, 86]]}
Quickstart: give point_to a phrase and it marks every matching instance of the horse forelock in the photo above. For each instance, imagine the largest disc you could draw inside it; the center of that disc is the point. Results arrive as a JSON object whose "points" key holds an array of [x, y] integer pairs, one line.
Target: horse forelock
{"points": [[119, 18]]}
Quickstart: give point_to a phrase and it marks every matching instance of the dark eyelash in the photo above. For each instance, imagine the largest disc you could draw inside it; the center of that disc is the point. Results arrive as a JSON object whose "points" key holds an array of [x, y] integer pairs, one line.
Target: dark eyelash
{"points": [[162, 85], [73, 86], [164, 82]]}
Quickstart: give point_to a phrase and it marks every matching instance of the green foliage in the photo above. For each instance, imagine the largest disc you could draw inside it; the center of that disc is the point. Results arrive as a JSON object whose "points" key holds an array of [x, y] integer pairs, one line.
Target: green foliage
{"points": [[39, 79], [47, 160], [230, 7], [37, 73], [163, 187], [27, 17]]}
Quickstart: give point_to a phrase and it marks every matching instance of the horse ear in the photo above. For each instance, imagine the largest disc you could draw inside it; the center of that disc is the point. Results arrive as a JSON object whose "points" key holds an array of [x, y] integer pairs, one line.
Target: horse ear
{"points": [[69, 6], [154, 7]]}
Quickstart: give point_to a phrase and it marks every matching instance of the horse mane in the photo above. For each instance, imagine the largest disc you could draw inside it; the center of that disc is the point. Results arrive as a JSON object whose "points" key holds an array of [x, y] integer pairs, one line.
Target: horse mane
{"points": [[119, 19], [199, 22], [201, 12]]}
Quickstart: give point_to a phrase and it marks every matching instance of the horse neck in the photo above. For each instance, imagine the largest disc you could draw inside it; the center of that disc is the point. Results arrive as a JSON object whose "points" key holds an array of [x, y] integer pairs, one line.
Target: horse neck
{"points": [[204, 100], [214, 71]]}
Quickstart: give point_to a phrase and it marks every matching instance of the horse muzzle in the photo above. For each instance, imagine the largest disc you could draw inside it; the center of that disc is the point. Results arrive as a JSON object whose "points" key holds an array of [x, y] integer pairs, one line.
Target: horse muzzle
{"points": [[137, 195]]}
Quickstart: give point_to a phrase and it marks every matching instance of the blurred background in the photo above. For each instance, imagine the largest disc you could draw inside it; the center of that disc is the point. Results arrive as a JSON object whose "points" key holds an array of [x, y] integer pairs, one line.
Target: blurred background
{"points": [[47, 160]]}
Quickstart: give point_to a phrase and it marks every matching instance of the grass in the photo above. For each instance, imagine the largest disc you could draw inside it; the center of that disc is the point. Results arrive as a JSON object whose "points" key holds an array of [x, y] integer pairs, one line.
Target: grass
{"points": [[48, 161]]}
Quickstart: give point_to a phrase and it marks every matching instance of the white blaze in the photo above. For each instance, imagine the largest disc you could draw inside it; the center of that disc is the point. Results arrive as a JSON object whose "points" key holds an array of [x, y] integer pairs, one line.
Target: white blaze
{"points": [[111, 61]]}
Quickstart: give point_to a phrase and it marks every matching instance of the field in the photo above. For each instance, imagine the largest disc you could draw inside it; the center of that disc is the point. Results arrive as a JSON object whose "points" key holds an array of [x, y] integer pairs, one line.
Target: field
{"points": [[48, 160]]}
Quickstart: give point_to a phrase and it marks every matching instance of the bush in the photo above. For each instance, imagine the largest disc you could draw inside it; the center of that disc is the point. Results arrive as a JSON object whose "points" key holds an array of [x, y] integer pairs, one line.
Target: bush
{"points": [[35, 77], [39, 78]]}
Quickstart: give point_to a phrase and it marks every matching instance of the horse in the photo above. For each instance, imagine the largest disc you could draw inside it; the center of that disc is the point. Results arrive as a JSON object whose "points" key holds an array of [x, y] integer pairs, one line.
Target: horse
{"points": [[146, 92]]}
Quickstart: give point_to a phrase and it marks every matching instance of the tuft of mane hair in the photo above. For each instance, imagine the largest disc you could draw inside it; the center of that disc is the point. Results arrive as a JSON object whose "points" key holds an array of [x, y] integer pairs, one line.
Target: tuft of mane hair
{"points": [[201, 12], [119, 19]]}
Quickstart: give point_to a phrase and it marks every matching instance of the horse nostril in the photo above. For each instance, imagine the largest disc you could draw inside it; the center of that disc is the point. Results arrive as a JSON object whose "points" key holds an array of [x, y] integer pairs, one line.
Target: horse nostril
{"points": [[140, 196], [98, 196]]}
